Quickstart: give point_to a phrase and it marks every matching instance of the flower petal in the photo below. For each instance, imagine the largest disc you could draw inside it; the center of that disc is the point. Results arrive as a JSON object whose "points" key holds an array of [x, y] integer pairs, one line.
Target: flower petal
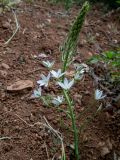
{"points": [[54, 74], [70, 84], [99, 94], [61, 85], [66, 82], [48, 77]]}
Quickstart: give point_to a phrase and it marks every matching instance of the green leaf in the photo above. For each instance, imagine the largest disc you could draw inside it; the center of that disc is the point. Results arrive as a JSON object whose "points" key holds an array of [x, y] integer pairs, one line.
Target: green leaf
{"points": [[109, 54]]}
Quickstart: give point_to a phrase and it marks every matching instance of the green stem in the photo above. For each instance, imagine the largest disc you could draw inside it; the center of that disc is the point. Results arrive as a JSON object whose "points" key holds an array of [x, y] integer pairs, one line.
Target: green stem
{"points": [[65, 63], [73, 124]]}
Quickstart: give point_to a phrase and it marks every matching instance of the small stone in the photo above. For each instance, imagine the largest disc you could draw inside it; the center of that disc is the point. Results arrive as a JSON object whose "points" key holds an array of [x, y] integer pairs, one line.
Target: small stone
{"points": [[115, 41], [20, 85], [83, 41], [109, 144], [6, 25], [104, 151], [97, 34], [72, 146], [49, 20], [31, 117], [3, 73], [90, 53], [103, 148], [86, 23], [78, 98], [5, 66]]}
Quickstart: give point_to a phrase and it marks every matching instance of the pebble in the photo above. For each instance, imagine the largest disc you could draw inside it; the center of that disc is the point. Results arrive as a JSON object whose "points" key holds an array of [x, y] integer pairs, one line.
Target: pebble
{"points": [[20, 85], [3, 74], [105, 147], [5, 66], [6, 25]]}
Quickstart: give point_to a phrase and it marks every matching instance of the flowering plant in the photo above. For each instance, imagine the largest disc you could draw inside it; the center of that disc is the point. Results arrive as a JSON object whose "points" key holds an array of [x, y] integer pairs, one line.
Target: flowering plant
{"points": [[44, 81], [57, 74], [68, 51]]}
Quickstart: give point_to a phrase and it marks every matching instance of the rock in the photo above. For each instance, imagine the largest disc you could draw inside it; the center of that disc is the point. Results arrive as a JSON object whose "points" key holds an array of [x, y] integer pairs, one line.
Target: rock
{"points": [[6, 25], [105, 147], [3, 74], [20, 85], [49, 21], [109, 144], [104, 151], [5, 66], [115, 41], [78, 98]]}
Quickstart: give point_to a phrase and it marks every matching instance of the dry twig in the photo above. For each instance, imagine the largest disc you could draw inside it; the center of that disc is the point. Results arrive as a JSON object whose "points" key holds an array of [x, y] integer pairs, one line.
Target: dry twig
{"points": [[17, 28]]}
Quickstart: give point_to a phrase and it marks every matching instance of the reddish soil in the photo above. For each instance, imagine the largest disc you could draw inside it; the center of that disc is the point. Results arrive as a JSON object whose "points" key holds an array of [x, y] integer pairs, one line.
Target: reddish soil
{"points": [[43, 28]]}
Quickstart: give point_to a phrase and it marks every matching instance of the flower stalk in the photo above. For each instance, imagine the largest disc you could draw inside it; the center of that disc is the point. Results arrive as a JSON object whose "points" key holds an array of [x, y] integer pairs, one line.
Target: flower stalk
{"points": [[68, 51], [71, 112], [69, 47]]}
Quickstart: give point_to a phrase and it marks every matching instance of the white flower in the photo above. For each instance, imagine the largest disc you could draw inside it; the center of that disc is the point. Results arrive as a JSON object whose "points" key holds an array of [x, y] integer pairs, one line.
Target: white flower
{"points": [[81, 67], [44, 81], [78, 76], [57, 101], [99, 94], [66, 84], [37, 93], [57, 74], [48, 64], [82, 71]]}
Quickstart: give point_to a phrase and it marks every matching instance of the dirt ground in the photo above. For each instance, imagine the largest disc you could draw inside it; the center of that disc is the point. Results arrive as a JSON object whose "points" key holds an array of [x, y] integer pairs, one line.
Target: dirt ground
{"points": [[43, 28]]}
